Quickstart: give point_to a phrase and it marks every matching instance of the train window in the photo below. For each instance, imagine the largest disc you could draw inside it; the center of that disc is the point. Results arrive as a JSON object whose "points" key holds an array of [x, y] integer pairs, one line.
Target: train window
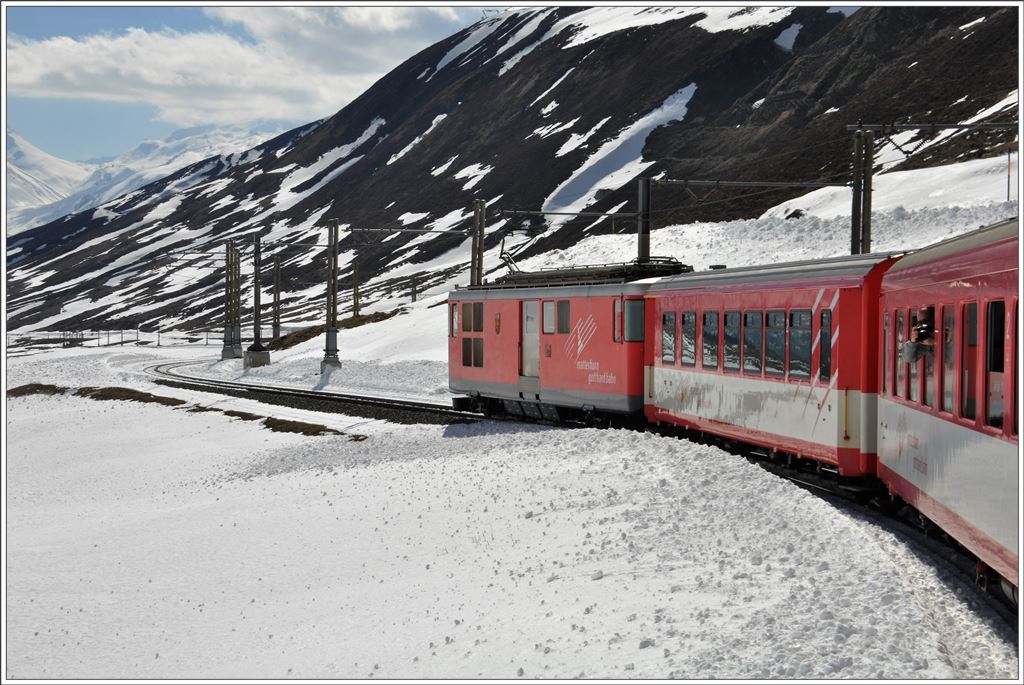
{"points": [[478, 351], [634, 321], [454, 323], [995, 340], [928, 377], [775, 343], [885, 351], [668, 337], [467, 316], [899, 389], [563, 316], [825, 345], [731, 342], [548, 317], [968, 360], [709, 340], [478, 317], [688, 341], [617, 321], [947, 358], [800, 343], [915, 394], [467, 352], [752, 336]]}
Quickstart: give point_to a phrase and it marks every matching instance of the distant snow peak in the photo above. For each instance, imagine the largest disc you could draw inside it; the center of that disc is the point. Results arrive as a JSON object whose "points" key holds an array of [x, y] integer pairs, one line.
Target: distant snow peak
{"points": [[401, 153], [474, 172], [620, 159], [787, 38]]}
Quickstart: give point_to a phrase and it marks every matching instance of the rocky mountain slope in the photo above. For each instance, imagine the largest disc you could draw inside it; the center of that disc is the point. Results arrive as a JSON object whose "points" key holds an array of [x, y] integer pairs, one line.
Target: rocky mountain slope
{"points": [[553, 108], [143, 164]]}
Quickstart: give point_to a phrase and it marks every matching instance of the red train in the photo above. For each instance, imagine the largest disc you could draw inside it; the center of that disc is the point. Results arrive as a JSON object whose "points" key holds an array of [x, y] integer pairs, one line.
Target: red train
{"points": [[808, 360]]}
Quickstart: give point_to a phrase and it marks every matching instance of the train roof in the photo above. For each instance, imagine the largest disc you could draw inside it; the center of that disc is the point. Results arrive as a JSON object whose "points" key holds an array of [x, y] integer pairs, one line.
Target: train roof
{"points": [[849, 266], [986, 235], [543, 292]]}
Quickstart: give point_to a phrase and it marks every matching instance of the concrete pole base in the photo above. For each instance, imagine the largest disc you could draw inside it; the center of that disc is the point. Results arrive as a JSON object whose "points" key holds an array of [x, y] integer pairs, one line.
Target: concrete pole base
{"points": [[228, 352], [254, 358], [329, 364]]}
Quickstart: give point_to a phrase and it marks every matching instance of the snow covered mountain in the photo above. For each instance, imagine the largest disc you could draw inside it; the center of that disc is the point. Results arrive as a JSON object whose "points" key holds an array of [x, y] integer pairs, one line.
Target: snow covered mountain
{"points": [[36, 178], [554, 108], [147, 162]]}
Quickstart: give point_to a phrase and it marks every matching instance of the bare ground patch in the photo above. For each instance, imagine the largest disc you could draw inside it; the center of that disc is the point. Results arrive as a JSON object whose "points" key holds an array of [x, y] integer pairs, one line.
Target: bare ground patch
{"points": [[36, 389]]}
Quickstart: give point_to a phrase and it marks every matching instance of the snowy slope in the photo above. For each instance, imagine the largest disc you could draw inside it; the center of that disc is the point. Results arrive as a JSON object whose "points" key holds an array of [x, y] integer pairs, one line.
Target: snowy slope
{"points": [[146, 162], [35, 177]]}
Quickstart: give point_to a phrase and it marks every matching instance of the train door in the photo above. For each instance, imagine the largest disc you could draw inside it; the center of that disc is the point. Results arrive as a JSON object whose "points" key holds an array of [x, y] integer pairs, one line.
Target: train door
{"points": [[529, 347]]}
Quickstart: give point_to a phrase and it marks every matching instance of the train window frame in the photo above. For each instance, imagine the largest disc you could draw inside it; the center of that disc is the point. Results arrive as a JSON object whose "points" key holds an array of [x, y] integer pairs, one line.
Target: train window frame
{"points": [[913, 369], [899, 384], [968, 388], [928, 384], [478, 352], [692, 314], [947, 375], [668, 337], [453, 320], [885, 352], [770, 330], [547, 317], [633, 320], [478, 317], [807, 356], [704, 346], [563, 317], [748, 345], [734, 363], [825, 347], [995, 350], [617, 320]]}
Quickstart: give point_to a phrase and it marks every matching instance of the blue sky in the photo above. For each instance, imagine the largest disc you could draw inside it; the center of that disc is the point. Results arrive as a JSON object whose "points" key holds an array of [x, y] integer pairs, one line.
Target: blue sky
{"points": [[92, 82]]}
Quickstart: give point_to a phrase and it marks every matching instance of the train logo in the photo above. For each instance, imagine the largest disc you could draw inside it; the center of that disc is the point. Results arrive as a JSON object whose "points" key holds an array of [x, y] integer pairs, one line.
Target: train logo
{"points": [[580, 335]]}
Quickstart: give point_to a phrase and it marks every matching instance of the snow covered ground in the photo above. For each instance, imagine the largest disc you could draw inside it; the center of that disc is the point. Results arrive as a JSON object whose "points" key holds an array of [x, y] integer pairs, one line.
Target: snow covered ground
{"points": [[165, 543], [146, 541]]}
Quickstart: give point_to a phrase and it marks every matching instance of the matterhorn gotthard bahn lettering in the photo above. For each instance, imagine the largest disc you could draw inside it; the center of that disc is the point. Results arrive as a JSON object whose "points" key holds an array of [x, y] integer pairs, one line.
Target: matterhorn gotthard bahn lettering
{"points": [[430, 342]]}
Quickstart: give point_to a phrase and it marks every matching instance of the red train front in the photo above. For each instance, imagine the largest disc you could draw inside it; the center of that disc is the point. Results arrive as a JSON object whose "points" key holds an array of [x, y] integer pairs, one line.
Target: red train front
{"points": [[552, 352]]}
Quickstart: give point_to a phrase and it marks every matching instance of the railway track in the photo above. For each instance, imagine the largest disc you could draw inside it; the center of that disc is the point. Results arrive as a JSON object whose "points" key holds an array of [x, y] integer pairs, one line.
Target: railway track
{"points": [[388, 409]]}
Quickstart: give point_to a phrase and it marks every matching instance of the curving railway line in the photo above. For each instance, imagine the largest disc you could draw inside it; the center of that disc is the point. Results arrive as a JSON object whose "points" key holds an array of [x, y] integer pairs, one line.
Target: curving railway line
{"points": [[388, 409]]}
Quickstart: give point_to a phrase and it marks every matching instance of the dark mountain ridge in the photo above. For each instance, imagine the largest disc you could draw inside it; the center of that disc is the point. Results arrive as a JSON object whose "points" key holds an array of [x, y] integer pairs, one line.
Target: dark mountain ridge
{"points": [[510, 110]]}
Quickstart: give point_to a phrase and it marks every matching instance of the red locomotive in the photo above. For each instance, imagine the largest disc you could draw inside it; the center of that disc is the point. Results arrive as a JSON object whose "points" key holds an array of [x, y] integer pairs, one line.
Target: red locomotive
{"points": [[827, 361]]}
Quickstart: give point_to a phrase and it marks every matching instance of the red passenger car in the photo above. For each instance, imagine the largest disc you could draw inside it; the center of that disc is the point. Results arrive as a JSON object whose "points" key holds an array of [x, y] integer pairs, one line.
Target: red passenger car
{"points": [[552, 352], [777, 356], [948, 442]]}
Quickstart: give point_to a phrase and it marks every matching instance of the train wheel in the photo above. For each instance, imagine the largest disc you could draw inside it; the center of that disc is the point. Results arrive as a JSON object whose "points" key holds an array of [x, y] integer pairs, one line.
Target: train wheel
{"points": [[1010, 590]]}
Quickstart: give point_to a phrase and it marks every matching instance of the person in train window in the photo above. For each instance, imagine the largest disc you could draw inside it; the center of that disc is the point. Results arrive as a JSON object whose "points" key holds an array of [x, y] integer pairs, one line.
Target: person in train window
{"points": [[922, 337]]}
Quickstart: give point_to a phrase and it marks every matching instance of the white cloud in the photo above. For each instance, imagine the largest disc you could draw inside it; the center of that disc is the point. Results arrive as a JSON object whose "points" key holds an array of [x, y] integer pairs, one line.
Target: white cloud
{"points": [[302, 63]]}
